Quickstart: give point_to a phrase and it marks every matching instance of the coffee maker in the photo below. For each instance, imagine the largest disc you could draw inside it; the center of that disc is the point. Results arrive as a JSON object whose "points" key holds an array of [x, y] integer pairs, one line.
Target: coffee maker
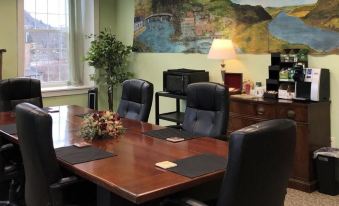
{"points": [[312, 84]]}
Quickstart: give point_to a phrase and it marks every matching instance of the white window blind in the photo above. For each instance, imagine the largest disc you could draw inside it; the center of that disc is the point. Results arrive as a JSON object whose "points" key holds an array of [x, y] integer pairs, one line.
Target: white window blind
{"points": [[46, 27], [54, 40]]}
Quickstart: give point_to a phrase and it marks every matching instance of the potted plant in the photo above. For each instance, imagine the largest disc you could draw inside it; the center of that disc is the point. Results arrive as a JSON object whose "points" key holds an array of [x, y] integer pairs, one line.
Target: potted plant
{"points": [[109, 58]]}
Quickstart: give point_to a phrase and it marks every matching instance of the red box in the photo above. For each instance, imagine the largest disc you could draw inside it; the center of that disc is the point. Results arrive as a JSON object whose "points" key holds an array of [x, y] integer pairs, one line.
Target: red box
{"points": [[233, 81]]}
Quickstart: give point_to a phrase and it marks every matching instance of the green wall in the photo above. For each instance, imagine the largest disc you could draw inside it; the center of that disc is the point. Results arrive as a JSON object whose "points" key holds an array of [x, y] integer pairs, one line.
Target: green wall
{"points": [[8, 37], [8, 41], [80, 99], [150, 66]]}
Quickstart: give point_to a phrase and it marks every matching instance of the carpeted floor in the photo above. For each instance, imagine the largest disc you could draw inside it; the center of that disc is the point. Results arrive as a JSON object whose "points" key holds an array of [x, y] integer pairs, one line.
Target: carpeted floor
{"points": [[298, 198]]}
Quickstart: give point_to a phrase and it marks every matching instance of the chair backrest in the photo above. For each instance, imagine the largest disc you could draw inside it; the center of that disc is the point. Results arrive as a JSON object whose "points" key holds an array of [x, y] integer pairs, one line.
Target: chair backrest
{"points": [[207, 108], [259, 164], [34, 130], [2, 167], [18, 90], [136, 99]]}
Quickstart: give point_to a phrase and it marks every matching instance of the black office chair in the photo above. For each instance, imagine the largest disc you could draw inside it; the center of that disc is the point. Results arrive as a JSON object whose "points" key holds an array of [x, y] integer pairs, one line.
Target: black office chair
{"points": [[207, 108], [136, 99], [44, 181], [12, 92], [259, 165], [17, 90], [9, 177]]}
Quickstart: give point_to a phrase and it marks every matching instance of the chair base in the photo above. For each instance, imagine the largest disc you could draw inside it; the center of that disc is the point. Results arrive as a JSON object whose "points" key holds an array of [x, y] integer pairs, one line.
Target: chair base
{"points": [[7, 203], [13, 195]]}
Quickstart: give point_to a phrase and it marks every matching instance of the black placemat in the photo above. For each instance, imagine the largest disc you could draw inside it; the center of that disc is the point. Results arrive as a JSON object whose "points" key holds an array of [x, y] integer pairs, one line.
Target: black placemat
{"points": [[76, 155], [170, 132], [8, 128], [84, 114], [198, 165]]}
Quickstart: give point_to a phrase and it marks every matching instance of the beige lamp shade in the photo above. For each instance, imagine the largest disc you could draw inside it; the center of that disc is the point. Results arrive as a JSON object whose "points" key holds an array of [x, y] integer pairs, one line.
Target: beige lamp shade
{"points": [[222, 49]]}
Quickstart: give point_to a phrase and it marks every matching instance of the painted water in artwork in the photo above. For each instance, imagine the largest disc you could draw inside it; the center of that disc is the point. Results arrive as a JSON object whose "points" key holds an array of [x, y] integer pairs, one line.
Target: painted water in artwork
{"points": [[255, 26]]}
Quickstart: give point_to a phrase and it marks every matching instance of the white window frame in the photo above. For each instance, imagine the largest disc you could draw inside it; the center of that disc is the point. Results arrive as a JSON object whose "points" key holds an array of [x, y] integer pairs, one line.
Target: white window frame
{"points": [[51, 89]]}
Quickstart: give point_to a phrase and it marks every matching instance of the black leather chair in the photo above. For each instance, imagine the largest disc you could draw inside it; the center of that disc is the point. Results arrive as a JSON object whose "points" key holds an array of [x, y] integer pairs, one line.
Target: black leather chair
{"points": [[9, 176], [207, 109], [12, 92], [17, 90], [44, 181], [259, 165], [136, 99]]}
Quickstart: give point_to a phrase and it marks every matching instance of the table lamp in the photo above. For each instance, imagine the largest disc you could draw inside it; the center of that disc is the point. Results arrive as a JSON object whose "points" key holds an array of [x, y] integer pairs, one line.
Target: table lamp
{"points": [[223, 49]]}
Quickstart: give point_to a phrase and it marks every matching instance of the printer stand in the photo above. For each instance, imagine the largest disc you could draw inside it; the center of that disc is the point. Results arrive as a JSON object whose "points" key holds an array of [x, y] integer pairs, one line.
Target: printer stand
{"points": [[176, 116]]}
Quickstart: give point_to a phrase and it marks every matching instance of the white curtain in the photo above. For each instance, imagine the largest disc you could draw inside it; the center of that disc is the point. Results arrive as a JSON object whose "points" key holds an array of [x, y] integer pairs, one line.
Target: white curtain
{"points": [[77, 37]]}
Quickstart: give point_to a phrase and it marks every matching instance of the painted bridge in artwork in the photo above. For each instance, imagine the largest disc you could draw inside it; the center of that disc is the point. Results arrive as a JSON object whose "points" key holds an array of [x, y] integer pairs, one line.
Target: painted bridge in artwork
{"points": [[158, 15]]}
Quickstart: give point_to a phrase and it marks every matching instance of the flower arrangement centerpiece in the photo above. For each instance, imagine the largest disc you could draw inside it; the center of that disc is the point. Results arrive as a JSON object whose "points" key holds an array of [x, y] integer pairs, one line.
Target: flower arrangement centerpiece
{"points": [[101, 124]]}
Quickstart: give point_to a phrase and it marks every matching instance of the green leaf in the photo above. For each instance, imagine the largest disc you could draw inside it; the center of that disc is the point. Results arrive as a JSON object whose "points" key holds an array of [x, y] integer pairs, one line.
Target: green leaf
{"points": [[109, 58]]}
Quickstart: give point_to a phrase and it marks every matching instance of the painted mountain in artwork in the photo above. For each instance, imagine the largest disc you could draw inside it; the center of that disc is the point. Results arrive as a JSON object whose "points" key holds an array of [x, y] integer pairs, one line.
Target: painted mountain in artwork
{"points": [[312, 26], [325, 14]]}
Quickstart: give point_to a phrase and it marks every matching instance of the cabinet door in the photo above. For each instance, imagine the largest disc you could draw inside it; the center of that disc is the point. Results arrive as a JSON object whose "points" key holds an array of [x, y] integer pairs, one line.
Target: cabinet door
{"points": [[302, 167]]}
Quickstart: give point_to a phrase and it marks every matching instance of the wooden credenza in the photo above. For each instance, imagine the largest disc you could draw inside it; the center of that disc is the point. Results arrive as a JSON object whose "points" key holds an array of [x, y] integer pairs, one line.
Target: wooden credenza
{"points": [[313, 129]]}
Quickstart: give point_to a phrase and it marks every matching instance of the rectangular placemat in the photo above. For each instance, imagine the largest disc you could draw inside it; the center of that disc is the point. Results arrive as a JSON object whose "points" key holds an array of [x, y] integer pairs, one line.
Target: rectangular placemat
{"points": [[170, 132], [8, 128], [84, 114], [198, 165], [76, 155]]}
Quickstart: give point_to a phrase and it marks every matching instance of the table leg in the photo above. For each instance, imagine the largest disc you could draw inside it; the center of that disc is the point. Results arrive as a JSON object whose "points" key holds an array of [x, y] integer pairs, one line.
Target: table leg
{"points": [[177, 108], [157, 109], [103, 196]]}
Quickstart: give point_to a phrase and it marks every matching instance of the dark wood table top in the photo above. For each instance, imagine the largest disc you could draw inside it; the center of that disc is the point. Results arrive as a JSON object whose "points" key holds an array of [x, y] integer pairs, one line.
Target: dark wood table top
{"points": [[131, 174]]}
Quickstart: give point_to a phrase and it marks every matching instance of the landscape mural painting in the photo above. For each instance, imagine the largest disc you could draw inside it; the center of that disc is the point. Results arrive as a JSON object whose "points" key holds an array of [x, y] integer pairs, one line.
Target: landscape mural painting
{"points": [[255, 26]]}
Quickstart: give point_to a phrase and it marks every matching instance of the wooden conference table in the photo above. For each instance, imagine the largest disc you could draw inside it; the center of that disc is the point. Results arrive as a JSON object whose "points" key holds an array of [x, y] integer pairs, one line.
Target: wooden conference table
{"points": [[131, 174]]}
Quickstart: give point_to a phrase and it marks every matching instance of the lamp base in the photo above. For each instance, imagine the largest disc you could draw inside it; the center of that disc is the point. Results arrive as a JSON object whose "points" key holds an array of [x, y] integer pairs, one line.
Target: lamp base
{"points": [[223, 72]]}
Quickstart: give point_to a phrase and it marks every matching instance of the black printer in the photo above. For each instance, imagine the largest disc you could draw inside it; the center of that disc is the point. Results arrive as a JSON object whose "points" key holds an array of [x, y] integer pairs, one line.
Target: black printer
{"points": [[176, 80]]}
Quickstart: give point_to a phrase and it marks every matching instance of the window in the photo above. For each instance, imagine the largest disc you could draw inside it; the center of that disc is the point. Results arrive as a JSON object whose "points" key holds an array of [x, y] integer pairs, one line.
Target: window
{"points": [[46, 38]]}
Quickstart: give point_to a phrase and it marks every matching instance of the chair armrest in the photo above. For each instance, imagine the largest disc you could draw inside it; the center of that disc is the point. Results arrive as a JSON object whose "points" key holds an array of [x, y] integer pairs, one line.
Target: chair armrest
{"points": [[222, 137], [56, 189], [6, 147], [64, 182], [181, 202], [193, 202]]}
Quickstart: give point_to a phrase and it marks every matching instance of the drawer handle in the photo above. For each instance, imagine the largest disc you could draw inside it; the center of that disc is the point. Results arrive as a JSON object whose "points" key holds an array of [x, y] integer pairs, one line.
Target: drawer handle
{"points": [[260, 110], [290, 114]]}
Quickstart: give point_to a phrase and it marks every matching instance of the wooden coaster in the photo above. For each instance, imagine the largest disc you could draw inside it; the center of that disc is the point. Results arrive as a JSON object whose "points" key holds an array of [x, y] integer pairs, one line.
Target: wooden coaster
{"points": [[165, 164]]}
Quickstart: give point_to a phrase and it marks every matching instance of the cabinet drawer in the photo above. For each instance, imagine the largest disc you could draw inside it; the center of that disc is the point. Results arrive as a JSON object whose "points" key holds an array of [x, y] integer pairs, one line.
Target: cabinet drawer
{"points": [[257, 110], [237, 123], [296, 113]]}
